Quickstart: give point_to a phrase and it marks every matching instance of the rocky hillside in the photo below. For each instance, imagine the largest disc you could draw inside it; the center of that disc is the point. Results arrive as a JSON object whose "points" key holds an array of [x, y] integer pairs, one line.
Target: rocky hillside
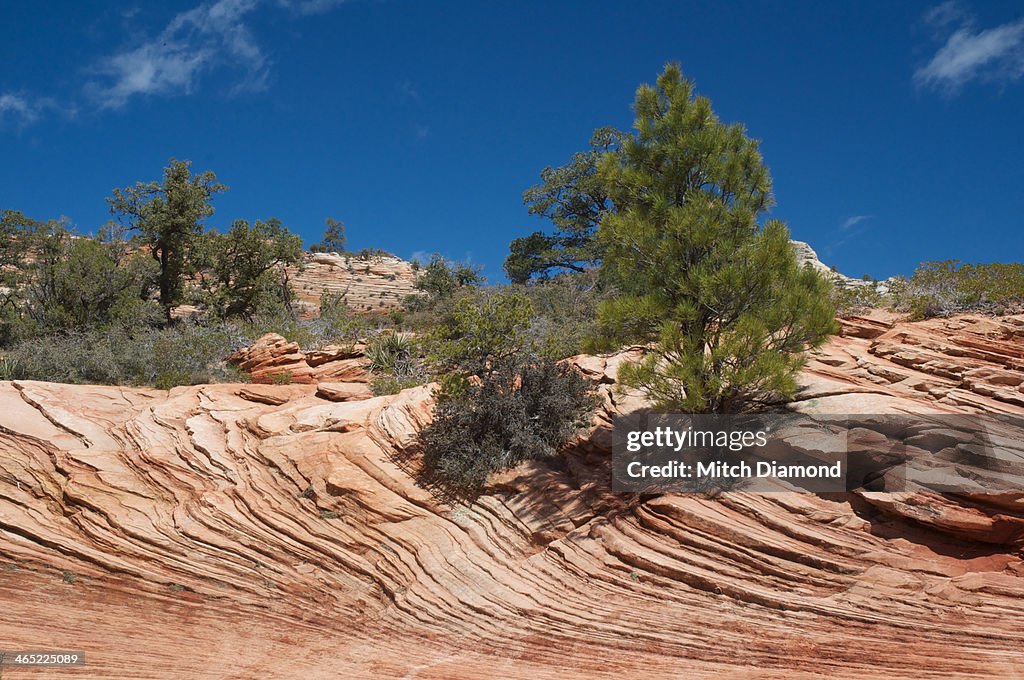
{"points": [[807, 256], [367, 283], [274, 531]]}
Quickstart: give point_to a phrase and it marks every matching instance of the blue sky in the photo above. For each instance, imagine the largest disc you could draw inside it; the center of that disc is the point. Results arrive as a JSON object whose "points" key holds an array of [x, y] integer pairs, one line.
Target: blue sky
{"points": [[893, 130]]}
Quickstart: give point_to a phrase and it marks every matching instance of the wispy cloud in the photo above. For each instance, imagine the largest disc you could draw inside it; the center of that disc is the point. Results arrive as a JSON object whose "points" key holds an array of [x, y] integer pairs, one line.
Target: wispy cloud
{"points": [[21, 110], [16, 107], [849, 229], [212, 36], [853, 221], [308, 7], [943, 15], [407, 93], [207, 37], [969, 53]]}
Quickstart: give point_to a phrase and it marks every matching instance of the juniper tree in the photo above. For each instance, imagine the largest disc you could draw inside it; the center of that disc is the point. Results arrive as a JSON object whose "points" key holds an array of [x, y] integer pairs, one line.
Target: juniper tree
{"points": [[80, 282], [169, 215], [722, 297], [249, 267]]}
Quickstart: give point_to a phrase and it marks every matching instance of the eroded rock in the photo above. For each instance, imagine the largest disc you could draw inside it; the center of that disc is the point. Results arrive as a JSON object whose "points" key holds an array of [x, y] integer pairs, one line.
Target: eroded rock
{"points": [[226, 531]]}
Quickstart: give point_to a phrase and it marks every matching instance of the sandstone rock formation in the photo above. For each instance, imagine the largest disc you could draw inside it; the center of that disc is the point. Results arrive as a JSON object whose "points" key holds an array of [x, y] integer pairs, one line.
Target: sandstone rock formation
{"points": [[267, 531], [807, 256], [367, 284], [272, 358]]}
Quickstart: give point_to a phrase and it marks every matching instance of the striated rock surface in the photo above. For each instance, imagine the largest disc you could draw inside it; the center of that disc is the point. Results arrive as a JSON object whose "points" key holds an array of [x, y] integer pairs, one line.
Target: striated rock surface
{"points": [[265, 531], [968, 363], [376, 283], [272, 358]]}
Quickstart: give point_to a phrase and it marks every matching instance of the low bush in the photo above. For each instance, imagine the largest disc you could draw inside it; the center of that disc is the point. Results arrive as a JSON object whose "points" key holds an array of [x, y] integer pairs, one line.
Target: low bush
{"points": [[565, 312], [483, 428], [184, 354], [502, 401], [850, 300], [389, 384], [394, 363], [951, 287]]}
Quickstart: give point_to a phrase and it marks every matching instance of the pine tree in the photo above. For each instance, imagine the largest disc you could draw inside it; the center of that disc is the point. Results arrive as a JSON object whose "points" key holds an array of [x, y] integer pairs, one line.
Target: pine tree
{"points": [[722, 297], [574, 198], [334, 238]]}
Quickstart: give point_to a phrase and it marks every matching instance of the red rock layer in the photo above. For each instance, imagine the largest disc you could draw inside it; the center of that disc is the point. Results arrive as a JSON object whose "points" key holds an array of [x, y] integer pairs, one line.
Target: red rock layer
{"points": [[264, 531], [273, 359]]}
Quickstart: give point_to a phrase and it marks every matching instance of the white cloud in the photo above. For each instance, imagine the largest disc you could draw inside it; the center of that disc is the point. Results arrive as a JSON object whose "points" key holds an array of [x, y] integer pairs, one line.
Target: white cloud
{"points": [[849, 229], [853, 221], [307, 7], [212, 35], [992, 54], [22, 110], [944, 14], [17, 107], [407, 93]]}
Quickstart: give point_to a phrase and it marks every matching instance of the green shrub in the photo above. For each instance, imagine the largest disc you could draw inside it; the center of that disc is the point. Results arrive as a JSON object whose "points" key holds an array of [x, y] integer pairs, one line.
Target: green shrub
{"points": [[179, 355], [389, 384], [850, 300], [494, 426], [8, 367], [168, 379], [390, 352], [372, 254], [501, 401], [247, 264], [283, 378], [439, 280], [950, 287]]}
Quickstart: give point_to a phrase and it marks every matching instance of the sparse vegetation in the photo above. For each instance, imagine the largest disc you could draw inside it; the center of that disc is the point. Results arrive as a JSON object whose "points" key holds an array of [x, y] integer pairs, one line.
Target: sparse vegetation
{"points": [[440, 280], [184, 354], [950, 287], [282, 378], [565, 306], [501, 401], [850, 300], [101, 309]]}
